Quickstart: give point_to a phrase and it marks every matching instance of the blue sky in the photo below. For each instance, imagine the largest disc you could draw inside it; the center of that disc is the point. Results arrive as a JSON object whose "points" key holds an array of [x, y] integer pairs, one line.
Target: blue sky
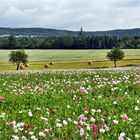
{"points": [[71, 14]]}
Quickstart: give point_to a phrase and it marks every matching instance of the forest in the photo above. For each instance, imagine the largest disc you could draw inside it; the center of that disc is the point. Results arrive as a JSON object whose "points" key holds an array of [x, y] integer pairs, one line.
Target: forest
{"points": [[70, 42]]}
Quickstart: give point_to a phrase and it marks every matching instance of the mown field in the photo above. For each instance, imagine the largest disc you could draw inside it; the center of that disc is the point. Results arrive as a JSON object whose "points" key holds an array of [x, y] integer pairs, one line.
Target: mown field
{"points": [[70, 59], [70, 106]]}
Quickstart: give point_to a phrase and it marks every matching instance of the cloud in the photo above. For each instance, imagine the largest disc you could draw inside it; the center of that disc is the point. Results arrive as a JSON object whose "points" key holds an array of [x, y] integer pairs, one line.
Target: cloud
{"points": [[70, 14], [128, 3]]}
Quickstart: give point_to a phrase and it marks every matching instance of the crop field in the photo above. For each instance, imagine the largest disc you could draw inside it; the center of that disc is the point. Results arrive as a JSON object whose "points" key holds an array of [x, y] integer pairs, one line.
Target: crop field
{"points": [[70, 59], [103, 105]]}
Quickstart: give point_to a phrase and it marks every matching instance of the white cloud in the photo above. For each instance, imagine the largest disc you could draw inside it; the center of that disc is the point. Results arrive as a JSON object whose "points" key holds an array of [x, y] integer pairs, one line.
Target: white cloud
{"points": [[70, 14]]}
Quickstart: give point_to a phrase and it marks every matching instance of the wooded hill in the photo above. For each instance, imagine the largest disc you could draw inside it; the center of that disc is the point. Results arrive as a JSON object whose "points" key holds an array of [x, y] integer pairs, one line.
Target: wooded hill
{"points": [[44, 32]]}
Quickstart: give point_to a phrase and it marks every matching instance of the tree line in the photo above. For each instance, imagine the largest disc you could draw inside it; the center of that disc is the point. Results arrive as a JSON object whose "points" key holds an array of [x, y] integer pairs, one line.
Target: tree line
{"points": [[70, 42]]}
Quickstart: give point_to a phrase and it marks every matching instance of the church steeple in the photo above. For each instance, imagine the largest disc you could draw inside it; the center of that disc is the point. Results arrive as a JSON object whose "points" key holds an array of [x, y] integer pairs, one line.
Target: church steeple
{"points": [[81, 31]]}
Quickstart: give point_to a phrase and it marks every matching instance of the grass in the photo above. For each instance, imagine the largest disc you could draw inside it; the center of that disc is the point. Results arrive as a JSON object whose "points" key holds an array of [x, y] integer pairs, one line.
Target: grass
{"points": [[70, 59], [70, 106]]}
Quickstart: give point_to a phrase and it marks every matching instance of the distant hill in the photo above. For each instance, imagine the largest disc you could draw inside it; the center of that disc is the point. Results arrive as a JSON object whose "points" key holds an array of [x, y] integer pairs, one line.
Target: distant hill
{"points": [[44, 32]]}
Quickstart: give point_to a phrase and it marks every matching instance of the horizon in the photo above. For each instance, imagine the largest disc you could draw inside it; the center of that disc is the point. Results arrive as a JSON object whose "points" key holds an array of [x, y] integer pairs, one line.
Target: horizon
{"points": [[70, 30]]}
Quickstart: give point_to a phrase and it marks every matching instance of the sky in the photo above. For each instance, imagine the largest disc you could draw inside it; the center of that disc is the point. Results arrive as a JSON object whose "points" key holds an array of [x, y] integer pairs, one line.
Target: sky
{"points": [[92, 15]]}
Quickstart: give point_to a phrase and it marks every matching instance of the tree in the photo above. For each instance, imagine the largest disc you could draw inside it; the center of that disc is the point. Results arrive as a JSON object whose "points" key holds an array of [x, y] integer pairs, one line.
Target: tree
{"points": [[115, 55], [11, 42], [17, 57]]}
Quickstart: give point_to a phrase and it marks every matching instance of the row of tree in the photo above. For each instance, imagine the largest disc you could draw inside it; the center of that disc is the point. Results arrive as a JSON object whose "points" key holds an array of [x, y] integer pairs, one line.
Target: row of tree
{"points": [[70, 42]]}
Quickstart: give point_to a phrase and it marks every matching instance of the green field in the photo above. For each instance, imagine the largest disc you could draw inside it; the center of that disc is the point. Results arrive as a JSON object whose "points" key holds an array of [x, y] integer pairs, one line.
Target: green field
{"points": [[101, 105], [70, 59]]}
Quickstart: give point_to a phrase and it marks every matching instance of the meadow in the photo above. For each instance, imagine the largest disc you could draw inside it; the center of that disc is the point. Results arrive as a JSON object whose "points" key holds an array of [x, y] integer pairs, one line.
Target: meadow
{"points": [[70, 59], [103, 105]]}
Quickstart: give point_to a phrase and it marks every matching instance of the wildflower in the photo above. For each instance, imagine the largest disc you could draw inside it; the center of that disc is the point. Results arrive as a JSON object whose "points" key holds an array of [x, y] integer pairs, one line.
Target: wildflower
{"points": [[31, 127], [31, 133], [69, 120], [30, 114], [57, 120], [43, 118], [99, 111], [121, 136], [12, 123], [86, 110], [23, 138], [42, 134], [81, 132], [136, 136], [68, 106], [125, 117], [136, 108], [103, 121], [104, 112], [81, 122], [95, 135], [137, 101], [3, 115], [94, 127], [102, 130], [20, 129], [1, 98], [65, 122], [114, 102], [93, 110], [115, 121], [81, 117], [49, 130], [88, 128], [106, 127], [33, 137], [72, 91], [14, 137], [59, 125], [92, 119]]}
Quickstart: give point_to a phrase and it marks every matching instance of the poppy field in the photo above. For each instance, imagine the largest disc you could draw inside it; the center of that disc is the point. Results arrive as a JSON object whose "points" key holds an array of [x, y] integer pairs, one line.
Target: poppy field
{"points": [[100, 105]]}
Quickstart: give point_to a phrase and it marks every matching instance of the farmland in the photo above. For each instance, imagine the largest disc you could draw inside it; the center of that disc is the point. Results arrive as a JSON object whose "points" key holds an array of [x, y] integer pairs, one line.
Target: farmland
{"points": [[70, 59], [103, 105]]}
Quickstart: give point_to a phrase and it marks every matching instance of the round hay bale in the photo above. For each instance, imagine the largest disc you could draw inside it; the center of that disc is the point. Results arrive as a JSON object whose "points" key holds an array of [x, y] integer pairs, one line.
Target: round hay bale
{"points": [[51, 63], [26, 65], [46, 65], [22, 67], [89, 62]]}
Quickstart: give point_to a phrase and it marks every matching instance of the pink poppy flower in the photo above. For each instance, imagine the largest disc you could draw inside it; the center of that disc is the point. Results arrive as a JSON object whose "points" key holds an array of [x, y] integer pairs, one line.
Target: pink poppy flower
{"points": [[57, 139], [125, 117], [49, 130], [94, 127], [95, 135], [12, 123], [69, 120], [1, 98]]}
